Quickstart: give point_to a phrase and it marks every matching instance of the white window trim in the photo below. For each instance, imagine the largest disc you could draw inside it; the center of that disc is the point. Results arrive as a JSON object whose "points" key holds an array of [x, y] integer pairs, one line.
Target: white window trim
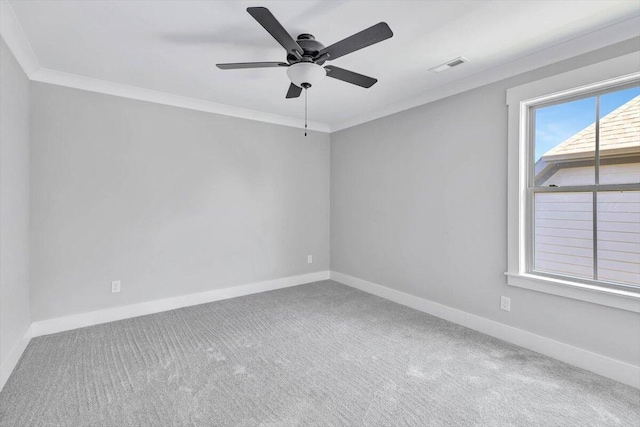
{"points": [[587, 79]]}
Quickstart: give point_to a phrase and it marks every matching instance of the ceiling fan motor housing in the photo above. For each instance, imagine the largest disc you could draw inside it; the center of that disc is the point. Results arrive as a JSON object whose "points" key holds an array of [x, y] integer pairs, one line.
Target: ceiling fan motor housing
{"points": [[311, 47]]}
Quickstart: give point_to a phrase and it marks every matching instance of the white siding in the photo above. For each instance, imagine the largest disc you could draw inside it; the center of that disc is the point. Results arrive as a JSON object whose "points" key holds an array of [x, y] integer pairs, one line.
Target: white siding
{"points": [[619, 236], [563, 227], [564, 233], [609, 174]]}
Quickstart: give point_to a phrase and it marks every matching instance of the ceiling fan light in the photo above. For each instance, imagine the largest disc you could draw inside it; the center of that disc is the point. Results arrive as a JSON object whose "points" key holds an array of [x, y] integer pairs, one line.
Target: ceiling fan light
{"points": [[304, 74]]}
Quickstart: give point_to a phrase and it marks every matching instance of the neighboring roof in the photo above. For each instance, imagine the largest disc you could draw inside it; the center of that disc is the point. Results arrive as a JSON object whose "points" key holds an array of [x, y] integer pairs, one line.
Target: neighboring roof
{"points": [[619, 134]]}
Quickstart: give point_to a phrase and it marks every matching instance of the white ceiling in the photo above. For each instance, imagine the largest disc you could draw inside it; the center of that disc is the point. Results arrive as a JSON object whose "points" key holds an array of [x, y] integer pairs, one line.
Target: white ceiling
{"points": [[173, 46]]}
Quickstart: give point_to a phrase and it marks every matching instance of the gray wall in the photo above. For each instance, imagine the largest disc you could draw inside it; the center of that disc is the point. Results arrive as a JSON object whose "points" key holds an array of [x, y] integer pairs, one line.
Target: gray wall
{"points": [[419, 204], [169, 201], [173, 201], [14, 201]]}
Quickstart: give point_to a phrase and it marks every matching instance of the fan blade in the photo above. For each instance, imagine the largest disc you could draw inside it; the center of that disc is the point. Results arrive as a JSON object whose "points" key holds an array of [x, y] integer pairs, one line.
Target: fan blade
{"points": [[350, 76], [271, 24], [294, 91], [364, 38], [239, 65]]}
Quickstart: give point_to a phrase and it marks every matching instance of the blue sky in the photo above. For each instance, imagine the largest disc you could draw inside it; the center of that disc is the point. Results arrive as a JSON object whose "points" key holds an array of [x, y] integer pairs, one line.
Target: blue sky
{"points": [[557, 123]]}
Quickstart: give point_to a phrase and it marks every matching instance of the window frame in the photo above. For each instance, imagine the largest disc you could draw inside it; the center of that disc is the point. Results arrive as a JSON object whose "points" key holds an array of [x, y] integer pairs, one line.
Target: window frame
{"points": [[596, 79]]}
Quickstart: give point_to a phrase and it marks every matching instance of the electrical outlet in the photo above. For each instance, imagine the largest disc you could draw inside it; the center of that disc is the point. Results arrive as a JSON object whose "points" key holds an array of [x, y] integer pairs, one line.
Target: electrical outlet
{"points": [[505, 303], [115, 286], [309, 259]]}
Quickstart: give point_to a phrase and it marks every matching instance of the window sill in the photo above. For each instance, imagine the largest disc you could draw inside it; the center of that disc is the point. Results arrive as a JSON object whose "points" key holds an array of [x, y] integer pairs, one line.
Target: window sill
{"points": [[624, 300]]}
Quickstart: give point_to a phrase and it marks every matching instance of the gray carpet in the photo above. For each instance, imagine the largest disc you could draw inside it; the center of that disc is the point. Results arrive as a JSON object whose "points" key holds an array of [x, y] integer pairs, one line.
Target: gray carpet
{"points": [[320, 354]]}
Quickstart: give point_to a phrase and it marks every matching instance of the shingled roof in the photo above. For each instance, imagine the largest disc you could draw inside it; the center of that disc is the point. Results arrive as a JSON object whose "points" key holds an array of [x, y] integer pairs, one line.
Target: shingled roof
{"points": [[619, 134]]}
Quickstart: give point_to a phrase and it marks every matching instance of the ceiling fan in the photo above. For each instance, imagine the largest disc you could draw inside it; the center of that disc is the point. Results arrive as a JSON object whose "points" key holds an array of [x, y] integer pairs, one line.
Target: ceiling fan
{"points": [[306, 55]]}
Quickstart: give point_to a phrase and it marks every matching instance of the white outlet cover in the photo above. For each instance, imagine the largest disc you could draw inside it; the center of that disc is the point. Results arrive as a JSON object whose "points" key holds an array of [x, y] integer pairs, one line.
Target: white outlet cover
{"points": [[505, 303], [115, 286], [309, 259]]}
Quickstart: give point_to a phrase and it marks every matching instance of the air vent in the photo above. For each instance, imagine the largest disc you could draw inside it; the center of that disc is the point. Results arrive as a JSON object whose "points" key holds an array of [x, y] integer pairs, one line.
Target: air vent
{"points": [[450, 64]]}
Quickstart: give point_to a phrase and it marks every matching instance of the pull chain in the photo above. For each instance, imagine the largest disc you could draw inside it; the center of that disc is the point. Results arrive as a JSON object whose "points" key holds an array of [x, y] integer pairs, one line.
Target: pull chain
{"points": [[305, 112]]}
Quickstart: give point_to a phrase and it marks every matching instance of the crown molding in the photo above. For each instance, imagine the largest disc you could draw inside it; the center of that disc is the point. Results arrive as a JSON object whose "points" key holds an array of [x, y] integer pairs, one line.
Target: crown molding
{"points": [[18, 43], [45, 75], [15, 38], [579, 45]]}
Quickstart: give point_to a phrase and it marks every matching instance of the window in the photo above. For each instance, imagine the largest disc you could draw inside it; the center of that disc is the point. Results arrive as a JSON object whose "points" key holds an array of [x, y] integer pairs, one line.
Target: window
{"points": [[574, 184], [583, 192]]}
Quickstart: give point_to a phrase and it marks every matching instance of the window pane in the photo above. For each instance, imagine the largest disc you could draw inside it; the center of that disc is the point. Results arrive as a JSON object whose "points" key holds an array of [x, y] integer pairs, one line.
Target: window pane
{"points": [[619, 237], [564, 143], [563, 230], [620, 137]]}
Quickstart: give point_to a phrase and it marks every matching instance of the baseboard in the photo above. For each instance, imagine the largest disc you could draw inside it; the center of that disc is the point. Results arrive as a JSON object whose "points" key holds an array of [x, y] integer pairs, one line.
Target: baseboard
{"points": [[10, 362], [601, 365], [51, 326]]}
